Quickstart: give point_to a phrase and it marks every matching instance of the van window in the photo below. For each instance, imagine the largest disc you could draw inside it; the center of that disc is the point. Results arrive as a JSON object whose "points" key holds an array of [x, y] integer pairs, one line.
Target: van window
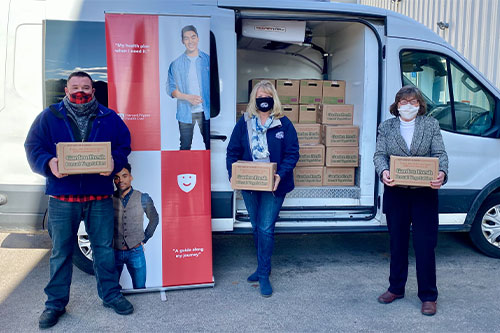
{"points": [[474, 107], [453, 96], [71, 46]]}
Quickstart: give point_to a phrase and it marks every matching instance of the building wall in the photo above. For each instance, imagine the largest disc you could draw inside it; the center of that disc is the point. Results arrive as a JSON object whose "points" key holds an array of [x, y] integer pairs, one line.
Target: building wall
{"points": [[474, 27]]}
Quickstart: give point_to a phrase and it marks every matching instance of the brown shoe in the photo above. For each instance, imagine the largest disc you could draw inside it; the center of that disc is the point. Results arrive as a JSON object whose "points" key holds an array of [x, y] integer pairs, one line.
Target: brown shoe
{"points": [[429, 308], [388, 297]]}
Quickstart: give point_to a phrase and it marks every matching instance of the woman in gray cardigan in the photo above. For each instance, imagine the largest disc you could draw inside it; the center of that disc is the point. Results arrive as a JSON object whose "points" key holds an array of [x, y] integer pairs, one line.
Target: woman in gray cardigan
{"points": [[411, 133]]}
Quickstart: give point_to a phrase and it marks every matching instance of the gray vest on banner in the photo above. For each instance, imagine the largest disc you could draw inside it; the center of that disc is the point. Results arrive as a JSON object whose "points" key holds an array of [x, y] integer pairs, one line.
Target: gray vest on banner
{"points": [[129, 221]]}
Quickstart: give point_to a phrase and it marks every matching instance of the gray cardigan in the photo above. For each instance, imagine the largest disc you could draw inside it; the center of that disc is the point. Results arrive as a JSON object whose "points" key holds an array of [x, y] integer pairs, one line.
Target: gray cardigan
{"points": [[427, 142]]}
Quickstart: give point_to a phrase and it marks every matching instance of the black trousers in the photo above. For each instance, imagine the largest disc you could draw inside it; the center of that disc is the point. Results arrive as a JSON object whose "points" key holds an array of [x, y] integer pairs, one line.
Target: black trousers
{"points": [[417, 207]]}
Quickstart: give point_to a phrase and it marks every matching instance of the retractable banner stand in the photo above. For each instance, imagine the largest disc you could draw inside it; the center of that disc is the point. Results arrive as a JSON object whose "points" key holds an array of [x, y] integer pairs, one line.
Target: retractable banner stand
{"points": [[187, 237], [158, 82]]}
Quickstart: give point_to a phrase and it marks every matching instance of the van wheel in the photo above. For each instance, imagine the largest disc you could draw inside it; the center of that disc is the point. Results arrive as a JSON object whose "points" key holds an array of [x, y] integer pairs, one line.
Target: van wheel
{"points": [[485, 231], [82, 255]]}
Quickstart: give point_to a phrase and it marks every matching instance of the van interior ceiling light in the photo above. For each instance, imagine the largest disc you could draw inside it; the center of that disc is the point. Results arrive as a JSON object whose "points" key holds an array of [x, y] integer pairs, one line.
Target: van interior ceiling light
{"points": [[292, 32], [282, 34]]}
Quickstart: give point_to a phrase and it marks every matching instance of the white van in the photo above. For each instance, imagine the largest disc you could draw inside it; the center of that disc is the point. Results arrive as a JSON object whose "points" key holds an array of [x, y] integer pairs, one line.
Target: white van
{"points": [[373, 50]]}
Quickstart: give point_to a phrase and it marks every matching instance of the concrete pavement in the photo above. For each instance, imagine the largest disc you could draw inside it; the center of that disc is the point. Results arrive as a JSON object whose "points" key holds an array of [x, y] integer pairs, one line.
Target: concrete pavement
{"points": [[324, 282]]}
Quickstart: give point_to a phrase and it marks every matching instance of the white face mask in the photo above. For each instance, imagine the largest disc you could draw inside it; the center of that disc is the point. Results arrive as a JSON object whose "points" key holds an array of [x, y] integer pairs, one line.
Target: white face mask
{"points": [[408, 111]]}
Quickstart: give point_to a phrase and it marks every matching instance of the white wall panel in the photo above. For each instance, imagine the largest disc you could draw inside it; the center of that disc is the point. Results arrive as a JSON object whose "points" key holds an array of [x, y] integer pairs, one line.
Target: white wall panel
{"points": [[474, 27]]}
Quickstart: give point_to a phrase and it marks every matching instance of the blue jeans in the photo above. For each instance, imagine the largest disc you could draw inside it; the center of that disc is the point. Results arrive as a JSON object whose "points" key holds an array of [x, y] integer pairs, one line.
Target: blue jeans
{"points": [[186, 131], [263, 208], [136, 265], [64, 220]]}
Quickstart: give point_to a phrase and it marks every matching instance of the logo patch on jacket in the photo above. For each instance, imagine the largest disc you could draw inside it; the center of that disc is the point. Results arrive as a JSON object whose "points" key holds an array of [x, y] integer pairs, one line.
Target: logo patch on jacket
{"points": [[280, 135]]}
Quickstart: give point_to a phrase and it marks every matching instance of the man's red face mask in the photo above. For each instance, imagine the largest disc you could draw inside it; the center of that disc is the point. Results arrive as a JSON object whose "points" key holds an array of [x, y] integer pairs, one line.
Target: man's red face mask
{"points": [[80, 97]]}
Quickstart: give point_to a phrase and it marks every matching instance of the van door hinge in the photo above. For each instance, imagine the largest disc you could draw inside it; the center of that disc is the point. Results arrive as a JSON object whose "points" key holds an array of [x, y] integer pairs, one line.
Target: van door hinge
{"points": [[383, 52]]}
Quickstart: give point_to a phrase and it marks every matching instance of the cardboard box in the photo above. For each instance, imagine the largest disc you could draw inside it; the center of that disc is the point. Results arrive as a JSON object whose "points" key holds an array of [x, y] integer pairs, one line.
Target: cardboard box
{"points": [[333, 92], [311, 91], [288, 91], [308, 176], [338, 176], [340, 114], [291, 111], [340, 136], [414, 171], [341, 156], [253, 82], [84, 157], [308, 134], [255, 176], [240, 110], [307, 113], [313, 155]]}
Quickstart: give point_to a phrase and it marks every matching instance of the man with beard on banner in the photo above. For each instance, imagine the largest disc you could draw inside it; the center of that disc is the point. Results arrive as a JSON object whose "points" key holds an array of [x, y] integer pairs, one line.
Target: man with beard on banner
{"points": [[189, 82], [130, 236], [73, 198]]}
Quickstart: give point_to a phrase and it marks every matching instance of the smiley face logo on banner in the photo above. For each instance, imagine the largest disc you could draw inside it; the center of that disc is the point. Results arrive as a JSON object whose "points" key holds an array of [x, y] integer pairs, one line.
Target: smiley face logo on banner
{"points": [[186, 181]]}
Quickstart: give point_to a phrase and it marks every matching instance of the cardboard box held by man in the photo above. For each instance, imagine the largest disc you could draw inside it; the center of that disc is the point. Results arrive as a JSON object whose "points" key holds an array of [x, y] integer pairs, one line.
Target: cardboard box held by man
{"points": [[84, 157]]}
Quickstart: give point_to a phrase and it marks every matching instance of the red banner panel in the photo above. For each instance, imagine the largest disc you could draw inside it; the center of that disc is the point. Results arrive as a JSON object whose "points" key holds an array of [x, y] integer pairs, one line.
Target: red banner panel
{"points": [[133, 76], [186, 218]]}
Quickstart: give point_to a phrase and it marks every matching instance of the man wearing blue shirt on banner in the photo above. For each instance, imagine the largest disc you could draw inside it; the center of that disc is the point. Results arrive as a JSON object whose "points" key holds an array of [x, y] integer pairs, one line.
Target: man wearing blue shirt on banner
{"points": [[189, 83]]}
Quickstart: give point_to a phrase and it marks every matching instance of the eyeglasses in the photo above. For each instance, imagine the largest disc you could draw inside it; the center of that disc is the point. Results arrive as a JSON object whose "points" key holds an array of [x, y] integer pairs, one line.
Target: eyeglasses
{"points": [[412, 102]]}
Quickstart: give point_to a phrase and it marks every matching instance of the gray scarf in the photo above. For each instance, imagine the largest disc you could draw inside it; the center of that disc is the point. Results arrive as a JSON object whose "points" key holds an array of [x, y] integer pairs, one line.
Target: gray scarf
{"points": [[81, 113]]}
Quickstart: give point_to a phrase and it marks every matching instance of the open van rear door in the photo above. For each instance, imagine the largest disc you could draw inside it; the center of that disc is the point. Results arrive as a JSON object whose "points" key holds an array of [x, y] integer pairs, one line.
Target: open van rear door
{"points": [[353, 48]]}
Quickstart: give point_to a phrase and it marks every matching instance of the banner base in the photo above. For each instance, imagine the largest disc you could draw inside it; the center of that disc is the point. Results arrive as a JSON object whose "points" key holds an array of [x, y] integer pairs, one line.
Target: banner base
{"points": [[149, 290]]}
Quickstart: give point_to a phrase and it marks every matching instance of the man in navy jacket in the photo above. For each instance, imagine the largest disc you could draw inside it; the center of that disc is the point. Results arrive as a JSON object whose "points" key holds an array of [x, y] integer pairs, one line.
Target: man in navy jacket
{"points": [[73, 198]]}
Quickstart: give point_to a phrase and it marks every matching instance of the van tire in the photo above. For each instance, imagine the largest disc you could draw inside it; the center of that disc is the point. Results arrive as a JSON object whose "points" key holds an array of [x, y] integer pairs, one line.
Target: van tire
{"points": [[82, 262], [487, 215], [82, 253]]}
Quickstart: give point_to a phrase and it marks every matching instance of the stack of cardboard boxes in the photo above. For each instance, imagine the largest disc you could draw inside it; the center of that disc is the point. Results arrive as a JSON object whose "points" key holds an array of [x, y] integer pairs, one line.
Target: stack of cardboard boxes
{"points": [[328, 140], [331, 159]]}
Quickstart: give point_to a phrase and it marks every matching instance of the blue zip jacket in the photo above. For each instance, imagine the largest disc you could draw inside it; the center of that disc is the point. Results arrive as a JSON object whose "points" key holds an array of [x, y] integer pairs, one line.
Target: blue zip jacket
{"points": [[52, 125], [178, 79], [283, 146]]}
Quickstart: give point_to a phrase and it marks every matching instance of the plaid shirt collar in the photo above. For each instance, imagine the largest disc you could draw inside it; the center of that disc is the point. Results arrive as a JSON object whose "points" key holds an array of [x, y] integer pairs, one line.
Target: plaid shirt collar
{"points": [[80, 198]]}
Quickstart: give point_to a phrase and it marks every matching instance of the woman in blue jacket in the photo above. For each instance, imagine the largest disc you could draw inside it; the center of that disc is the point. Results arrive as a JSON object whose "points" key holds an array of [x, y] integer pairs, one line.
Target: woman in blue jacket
{"points": [[264, 134]]}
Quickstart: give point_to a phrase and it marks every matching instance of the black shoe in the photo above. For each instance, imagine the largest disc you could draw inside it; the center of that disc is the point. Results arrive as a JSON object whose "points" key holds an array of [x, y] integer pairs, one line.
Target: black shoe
{"points": [[120, 305], [49, 318]]}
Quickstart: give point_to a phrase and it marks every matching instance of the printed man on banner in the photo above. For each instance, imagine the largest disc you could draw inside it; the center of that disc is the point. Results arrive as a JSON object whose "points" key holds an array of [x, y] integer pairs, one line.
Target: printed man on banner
{"points": [[130, 236], [73, 198], [189, 83]]}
